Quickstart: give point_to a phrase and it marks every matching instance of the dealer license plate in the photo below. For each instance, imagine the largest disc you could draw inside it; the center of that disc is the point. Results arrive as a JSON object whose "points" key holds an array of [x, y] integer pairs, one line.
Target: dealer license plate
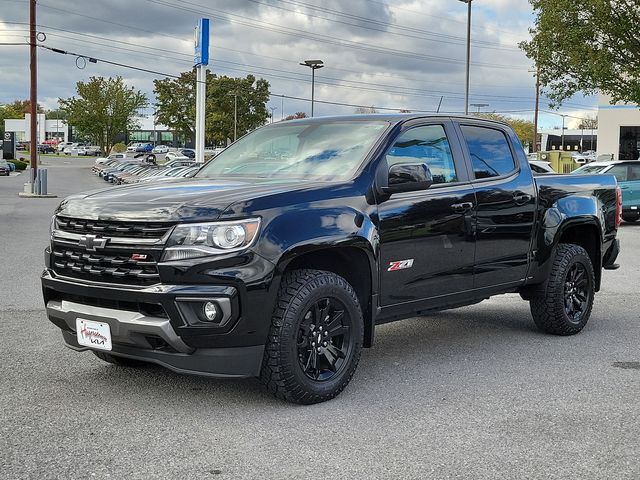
{"points": [[93, 334]]}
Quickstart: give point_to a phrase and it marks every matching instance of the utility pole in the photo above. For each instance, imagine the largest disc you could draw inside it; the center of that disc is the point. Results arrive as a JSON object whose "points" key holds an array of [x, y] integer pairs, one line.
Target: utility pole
{"points": [[536, 112], [33, 67]]}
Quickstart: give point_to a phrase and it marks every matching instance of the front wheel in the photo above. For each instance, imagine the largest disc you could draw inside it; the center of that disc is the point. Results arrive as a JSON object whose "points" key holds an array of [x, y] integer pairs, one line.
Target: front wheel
{"points": [[565, 306], [315, 337]]}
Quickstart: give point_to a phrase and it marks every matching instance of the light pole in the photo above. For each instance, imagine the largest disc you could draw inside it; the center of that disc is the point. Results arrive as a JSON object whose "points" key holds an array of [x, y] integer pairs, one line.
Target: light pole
{"points": [[235, 114], [272, 110], [314, 65], [466, 94], [563, 116]]}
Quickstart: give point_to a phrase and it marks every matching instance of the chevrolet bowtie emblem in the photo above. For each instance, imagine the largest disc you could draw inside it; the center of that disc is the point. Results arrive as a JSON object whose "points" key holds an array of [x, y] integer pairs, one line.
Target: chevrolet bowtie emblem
{"points": [[92, 243]]}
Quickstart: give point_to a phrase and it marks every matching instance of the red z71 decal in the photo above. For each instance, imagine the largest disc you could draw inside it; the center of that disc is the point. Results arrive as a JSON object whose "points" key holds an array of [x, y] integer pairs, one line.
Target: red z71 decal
{"points": [[400, 265]]}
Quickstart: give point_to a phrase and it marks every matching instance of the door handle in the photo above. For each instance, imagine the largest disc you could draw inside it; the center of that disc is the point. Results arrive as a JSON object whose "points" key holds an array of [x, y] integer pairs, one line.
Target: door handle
{"points": [[521, 199], [462, 207]]}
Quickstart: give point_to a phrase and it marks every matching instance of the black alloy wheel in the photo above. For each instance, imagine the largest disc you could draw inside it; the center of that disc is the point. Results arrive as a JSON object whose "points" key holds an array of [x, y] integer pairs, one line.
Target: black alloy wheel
{"points": [[576, 292], [315, 338], [324, 339]]}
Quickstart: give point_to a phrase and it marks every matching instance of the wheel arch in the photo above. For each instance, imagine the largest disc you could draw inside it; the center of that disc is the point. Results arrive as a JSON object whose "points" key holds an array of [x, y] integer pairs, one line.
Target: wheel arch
{"points": [[353, 260]]}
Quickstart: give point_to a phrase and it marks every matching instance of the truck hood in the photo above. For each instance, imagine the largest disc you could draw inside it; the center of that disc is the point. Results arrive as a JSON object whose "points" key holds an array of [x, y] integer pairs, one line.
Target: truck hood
{"points": [[179, 200]]}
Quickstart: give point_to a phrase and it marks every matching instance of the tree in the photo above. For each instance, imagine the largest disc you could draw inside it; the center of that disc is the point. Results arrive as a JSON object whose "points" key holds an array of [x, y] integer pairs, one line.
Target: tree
{"points": [[364, 110], [524, 128], [589, 123], [296, 116], [176, 105], [587, 45], [104, 109], [251, 95]]}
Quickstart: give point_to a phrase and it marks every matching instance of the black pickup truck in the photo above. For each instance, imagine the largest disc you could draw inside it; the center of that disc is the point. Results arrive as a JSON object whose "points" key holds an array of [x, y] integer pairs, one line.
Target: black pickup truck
{"points": [[279, 258]]}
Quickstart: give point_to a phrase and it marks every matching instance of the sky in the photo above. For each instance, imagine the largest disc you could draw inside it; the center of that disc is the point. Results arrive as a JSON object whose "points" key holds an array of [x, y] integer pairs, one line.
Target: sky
{"points": [[390, 54]]}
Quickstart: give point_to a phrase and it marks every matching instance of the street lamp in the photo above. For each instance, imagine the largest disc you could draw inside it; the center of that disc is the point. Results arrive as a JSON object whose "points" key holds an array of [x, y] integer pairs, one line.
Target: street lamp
{"points": [[313, 65], [479, 105], [466, 94], [272, 110]]}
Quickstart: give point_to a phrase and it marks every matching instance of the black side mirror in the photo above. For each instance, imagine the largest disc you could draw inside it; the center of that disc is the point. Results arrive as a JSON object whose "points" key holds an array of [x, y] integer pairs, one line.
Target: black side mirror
{"points": [[408, 177]]}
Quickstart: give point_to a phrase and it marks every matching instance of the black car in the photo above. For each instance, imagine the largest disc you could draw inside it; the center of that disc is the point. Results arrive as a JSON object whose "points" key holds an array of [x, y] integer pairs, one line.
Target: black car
{"points": [[5, 170], [46, 149], [280, 257], [187, 152]]}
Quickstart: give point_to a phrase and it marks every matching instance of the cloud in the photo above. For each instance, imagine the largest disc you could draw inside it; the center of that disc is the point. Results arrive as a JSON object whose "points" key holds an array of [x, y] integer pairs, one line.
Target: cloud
{"points": [[391, 53]]}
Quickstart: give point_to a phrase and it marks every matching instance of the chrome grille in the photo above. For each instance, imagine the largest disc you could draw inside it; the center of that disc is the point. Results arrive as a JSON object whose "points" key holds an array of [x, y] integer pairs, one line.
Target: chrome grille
{"points": [[113, 229], [108, 265]]}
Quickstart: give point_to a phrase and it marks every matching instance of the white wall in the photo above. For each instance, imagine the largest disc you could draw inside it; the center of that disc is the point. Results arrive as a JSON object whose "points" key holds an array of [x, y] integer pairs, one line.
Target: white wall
{"points": [[22, 127], [610, 119]]}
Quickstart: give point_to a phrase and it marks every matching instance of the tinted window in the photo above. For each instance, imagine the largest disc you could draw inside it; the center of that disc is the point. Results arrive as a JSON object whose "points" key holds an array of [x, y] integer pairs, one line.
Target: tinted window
{"points": [[428, 145], [490, 152], [634, 172], [619, 171]]}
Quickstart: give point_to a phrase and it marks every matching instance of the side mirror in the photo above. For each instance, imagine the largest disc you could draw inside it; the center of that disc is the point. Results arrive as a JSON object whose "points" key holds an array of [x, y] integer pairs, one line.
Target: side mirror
{"points": [[408, 177]]}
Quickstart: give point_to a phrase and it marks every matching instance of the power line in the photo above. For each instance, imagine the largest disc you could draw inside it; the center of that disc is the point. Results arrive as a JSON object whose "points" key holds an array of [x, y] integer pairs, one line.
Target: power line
{"points": [[441, 37], [155, 72], [331, 40]]}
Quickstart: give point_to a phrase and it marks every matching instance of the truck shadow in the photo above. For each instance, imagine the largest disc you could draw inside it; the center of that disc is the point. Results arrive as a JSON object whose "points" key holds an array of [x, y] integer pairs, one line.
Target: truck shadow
{"points": [[421, 345]]}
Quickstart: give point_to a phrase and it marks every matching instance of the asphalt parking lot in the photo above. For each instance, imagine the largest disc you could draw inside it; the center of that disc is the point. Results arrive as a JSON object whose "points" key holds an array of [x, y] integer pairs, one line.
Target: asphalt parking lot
{"points": [[471, 393]]}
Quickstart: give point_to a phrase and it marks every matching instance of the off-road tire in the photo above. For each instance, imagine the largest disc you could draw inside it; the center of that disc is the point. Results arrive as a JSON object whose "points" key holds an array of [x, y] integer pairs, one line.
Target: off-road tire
{"points": [[281, 371], [548, 309], [115, 360]]}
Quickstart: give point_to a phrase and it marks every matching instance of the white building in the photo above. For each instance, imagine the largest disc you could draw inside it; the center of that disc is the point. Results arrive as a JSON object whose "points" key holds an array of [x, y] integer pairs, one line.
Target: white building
{"points": [[47, 129], [618, 129]]}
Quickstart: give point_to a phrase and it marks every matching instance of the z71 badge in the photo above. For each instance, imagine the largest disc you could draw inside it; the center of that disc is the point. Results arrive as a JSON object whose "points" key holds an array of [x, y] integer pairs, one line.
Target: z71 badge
{"points": [[400, 265]]}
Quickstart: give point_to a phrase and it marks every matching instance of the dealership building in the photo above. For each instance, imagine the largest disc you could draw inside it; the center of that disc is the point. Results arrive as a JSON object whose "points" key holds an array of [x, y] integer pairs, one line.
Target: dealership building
{"points": [[618, 129], [54, 129]]}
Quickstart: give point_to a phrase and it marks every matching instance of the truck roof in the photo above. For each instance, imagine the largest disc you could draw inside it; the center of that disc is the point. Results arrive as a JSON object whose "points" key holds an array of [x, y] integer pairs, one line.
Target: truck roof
{"points": [[392, 117]]}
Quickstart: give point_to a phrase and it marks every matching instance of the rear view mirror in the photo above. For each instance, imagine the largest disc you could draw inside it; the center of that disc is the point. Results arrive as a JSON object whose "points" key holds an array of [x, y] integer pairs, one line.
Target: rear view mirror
{"points": [[408, 177]]}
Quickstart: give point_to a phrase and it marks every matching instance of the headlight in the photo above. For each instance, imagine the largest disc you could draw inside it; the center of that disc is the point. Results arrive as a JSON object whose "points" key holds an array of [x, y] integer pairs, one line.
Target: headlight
{"points": [[192, 240]]}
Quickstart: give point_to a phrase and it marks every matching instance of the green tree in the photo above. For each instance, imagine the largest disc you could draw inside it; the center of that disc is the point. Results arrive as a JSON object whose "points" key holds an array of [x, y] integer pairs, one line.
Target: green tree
{"points": [[524, 128], [587, 45], [176, 105], [104, 109]]}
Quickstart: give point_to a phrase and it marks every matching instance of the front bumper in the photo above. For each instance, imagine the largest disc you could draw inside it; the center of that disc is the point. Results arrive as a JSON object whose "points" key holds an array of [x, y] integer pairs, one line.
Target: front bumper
{"points": [[159, 324]]}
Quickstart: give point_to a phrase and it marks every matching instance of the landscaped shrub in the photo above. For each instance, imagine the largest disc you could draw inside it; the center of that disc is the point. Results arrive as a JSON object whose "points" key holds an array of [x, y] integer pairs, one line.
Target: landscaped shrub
{"points": [[119, 148], [20, 165]]}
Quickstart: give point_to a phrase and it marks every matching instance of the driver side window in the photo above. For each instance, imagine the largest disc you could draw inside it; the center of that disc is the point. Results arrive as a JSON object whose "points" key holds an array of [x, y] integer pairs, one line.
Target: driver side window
{"points": [[427, 144]]}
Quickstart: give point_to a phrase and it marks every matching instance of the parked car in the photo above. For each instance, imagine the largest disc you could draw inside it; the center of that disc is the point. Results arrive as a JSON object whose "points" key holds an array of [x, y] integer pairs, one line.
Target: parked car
{"points": [[160, 149], [144, 148], [284, 270], [5, 169], [180, 162], [113, 156], [91, 150], [175, 156], [538, 166], [44, 148], [188, 152], [62, 145], [133, 146], [627, 173], [73, 148]]}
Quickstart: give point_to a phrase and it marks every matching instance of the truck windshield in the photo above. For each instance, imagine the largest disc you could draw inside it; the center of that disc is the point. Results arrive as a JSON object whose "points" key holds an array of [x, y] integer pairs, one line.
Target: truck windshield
{"points": [[327, 151]]}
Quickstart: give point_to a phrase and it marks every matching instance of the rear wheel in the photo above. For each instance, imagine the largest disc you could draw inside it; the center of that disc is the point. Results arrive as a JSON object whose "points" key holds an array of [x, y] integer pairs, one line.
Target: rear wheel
{"points": [[121, 361], [315, 338], [565, 306]]}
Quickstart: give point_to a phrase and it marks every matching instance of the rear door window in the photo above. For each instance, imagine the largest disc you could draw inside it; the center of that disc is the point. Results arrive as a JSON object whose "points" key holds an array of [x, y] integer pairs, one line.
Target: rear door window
{"points": [[619, 171], [490, 151]]}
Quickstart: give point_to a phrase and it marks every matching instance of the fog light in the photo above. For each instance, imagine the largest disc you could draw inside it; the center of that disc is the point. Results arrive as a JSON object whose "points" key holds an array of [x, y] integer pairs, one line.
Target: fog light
{"points": [[210, 311]]}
